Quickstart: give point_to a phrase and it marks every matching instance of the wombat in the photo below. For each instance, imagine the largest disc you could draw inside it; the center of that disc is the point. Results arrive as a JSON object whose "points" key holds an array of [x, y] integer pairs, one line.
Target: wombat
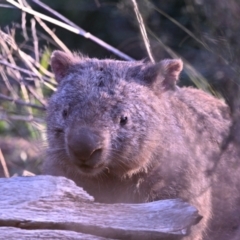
{"points": [[126, 133]]}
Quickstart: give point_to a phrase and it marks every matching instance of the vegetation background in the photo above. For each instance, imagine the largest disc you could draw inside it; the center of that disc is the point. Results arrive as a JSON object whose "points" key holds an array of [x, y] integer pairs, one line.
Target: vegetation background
{"points": [[204, 33]]}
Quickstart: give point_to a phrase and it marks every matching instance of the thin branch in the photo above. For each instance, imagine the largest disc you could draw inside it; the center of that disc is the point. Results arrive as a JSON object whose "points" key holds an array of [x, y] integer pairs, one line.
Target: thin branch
{"points": [[27, 59], [36, 95], [35, 40], [49, 31], [58, 15], [5, 63], [7, 117], [46, 81], [7, 83], [27, 173], [143, 30], [9, 39], [23, 25], [21, 102], [78, 30], [4, 165], [5, 6], [17, 76]]}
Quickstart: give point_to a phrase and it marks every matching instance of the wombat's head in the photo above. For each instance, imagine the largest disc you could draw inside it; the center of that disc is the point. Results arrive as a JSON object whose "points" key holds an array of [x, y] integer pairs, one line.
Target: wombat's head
{"points": [[103, 119]]}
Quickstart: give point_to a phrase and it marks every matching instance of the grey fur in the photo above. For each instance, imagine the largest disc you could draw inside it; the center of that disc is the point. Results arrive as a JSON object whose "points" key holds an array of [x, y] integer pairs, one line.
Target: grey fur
{"points": [[170, 146]]}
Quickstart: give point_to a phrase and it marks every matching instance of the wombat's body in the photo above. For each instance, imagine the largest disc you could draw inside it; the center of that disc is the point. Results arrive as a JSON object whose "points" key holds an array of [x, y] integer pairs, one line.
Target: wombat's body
{"points": [[125, 133]]}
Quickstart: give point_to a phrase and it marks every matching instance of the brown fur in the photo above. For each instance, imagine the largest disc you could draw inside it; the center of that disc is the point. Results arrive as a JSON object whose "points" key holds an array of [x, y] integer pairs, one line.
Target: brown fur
{"points": [[169, 146]]}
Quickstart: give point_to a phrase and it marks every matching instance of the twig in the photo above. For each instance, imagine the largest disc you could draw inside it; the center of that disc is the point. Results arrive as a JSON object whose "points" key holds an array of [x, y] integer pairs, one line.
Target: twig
{"points": [[5, 63], [7, 83], [29, 118], [78, 30], [21, 102], [6, 38], [4, 165], [46, 81], [58, 15], [27, 173], [28, 61], [49, 31], [5, 6], [143, 30], [35, 40], [36, 95], [23, 25], [17, 76]]}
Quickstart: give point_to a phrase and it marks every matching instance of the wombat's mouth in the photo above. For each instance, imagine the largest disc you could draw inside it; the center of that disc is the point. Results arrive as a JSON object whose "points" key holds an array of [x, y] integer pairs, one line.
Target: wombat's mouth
{"points": [[90, 170]]}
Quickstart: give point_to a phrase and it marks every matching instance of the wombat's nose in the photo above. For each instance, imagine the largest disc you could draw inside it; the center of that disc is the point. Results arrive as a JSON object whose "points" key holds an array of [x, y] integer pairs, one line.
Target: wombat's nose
{"points": [[83, 143]]}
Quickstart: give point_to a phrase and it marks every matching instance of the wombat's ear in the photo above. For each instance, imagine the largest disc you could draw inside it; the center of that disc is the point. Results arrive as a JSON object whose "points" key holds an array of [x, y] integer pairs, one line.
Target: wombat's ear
{"points": [[60, 63], [164, 74], [171, 71]]}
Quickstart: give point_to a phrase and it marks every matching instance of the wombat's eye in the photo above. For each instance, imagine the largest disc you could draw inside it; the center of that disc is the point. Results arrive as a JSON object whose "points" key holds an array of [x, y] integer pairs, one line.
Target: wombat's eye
{"points": [[58, 130], [123, 120], [65, 113]]}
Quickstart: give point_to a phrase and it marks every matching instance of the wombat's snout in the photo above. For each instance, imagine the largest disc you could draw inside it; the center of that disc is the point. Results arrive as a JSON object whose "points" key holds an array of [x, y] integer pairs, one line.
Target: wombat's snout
{"points": [[84, 147]]}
